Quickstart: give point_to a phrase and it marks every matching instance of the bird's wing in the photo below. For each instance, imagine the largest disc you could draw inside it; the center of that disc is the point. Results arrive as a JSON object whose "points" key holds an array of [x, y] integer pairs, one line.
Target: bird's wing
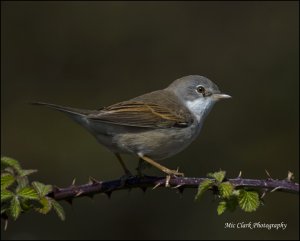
{"points": [[141, 114]]}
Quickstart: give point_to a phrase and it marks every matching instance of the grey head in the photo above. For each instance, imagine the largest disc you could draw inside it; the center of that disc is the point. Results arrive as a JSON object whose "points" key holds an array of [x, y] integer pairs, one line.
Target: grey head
{"points": [[197, 93], [193, 87]]}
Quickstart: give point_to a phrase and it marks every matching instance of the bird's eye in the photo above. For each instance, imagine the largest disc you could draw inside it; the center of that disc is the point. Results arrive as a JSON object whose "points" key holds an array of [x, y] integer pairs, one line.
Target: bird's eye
{"points": [[200, 89]]}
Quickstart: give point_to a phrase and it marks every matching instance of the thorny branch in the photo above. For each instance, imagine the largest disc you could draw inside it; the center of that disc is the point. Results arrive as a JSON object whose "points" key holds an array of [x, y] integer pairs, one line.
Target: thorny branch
{"points": [[180, 183]]}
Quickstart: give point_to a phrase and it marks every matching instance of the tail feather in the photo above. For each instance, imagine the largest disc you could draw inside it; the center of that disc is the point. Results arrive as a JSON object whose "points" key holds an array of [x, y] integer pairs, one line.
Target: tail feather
{"points": [[70, 110]]}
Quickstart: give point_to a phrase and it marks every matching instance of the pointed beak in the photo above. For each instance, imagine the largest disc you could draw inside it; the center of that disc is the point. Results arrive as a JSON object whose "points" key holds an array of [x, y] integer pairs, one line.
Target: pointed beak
{"points": [[221, 96]]}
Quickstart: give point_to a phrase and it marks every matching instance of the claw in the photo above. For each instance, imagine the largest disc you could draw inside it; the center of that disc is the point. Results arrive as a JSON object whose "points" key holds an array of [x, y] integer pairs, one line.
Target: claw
{"points": [[124, 178], [168, 177], [268, 174], [157, 185], [174, 173], [160, 167]]}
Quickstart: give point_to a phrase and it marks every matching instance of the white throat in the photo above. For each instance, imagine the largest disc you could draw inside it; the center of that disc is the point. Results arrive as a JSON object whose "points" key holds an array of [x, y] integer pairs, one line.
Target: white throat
{"points": [[200, 107]]}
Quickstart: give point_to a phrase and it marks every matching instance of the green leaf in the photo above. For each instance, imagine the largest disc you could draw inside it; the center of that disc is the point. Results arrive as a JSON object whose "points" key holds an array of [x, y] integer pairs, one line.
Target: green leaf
{"points": [[15, 208], [10, 162], [203, 187], [225, 189], [218, 176], [41, 188], [236, 192], [248, 200], [227, 204], [5, 195], [58, 209], [27, 172], [28, 193], [4, 207], [6, 180], [46, 205], [22, 182], [222, 207]]}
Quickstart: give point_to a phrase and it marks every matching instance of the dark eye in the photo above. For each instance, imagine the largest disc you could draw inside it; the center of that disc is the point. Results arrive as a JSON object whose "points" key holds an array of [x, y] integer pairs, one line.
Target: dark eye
{"points": [[200, 89]]}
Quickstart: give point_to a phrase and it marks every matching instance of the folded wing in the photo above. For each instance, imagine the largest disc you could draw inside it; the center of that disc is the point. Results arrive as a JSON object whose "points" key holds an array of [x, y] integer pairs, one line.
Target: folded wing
{"points": [[139, 114]]}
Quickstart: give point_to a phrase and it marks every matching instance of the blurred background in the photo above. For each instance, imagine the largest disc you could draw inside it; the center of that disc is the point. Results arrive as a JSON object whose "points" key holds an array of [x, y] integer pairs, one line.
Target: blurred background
{"points": [[93, 54]]}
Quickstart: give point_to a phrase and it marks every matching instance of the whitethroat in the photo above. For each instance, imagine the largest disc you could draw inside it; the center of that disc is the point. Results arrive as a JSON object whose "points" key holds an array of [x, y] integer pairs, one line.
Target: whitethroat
{"points": [[153, 126]]}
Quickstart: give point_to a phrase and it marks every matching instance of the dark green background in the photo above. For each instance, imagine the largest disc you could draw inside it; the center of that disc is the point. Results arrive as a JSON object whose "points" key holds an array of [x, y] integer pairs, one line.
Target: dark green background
{"points": [[92, 54]]}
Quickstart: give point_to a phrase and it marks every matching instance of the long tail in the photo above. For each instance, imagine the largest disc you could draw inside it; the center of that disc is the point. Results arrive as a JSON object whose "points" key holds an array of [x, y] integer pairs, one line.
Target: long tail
{"points": [[65, 109], [77, 115]]}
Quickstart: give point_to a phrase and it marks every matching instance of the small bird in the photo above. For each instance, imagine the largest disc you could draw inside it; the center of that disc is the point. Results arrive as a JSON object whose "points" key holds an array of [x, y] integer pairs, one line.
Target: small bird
{"points": [[153, 126]]}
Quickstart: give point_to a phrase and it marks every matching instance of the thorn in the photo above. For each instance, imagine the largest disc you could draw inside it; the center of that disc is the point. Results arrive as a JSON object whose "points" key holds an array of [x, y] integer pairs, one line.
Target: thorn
{"points": [[5, 224], [263, 194], [78, 193], [94, 181], [73, 182], [56, 189], [70, 201], [157, 185], [290, 176], [276, 188], [108, 193], [268, 174], [178, 186], [240, 175]]}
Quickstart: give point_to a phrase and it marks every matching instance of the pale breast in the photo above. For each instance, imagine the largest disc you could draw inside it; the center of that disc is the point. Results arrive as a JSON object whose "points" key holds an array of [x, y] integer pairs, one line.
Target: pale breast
{"points": [[158, 143]]}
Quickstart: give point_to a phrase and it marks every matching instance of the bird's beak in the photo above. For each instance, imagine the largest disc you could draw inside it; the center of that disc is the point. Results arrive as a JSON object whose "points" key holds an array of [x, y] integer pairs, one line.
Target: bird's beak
{"points": [[221, 96]]}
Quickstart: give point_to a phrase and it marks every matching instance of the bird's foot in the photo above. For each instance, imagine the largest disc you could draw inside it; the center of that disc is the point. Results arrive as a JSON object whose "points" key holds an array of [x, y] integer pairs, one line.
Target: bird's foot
{"points": [[173, 172], [125, 177]]}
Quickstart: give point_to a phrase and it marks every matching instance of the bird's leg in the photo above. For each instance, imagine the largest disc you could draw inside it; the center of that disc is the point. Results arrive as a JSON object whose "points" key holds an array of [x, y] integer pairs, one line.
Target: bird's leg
{"points": [[141, 166], [160, 167], [127, 174]]}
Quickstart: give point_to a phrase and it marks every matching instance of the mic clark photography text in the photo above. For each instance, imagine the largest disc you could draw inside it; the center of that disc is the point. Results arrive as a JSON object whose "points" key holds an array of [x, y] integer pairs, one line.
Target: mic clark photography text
{"points": [[255, 225]]}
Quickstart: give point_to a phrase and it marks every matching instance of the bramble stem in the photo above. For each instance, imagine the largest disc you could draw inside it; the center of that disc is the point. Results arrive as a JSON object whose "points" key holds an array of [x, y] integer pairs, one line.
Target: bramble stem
{"points": [[180, 183]]}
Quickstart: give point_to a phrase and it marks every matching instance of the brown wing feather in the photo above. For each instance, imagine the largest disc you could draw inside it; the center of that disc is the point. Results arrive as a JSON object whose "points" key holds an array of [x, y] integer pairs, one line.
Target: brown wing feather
{"points": [[139, 114]]}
